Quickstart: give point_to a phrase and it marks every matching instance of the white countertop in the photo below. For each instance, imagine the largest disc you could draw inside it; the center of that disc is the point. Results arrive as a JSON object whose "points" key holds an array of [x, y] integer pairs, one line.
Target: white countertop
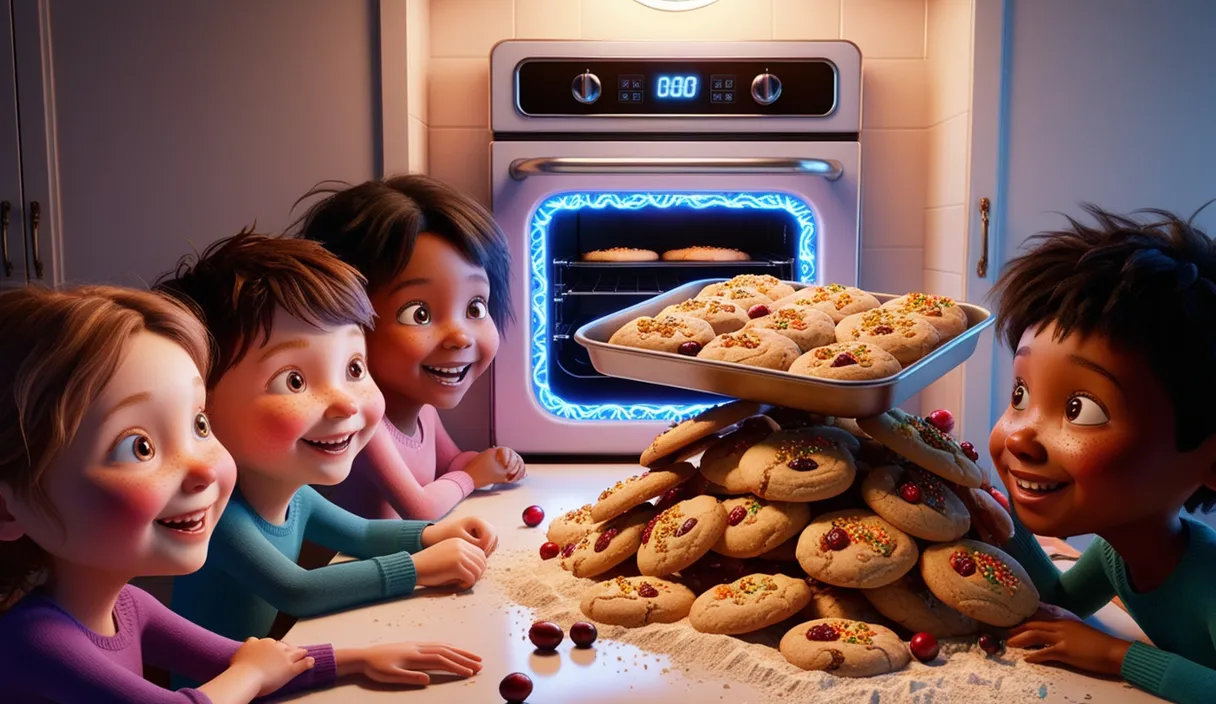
{"points": [[475, 620]]}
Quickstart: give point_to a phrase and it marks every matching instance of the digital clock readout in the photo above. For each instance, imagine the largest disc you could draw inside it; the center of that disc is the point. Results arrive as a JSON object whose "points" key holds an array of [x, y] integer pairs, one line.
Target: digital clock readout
{"points": [[676, 87]]}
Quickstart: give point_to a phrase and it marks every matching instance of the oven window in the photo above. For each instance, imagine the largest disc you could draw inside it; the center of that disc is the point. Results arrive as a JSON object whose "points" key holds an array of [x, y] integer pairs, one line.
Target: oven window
{"points": [[776, 230]]}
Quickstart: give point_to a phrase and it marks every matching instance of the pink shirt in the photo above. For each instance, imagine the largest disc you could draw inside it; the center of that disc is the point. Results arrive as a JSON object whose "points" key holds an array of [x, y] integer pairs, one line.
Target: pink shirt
{"points": [[399, 476]]}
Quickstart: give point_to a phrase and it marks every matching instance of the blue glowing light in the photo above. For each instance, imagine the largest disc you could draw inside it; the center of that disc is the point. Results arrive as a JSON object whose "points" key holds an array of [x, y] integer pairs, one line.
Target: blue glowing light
{"points": [[539, 295], [676, 87]]}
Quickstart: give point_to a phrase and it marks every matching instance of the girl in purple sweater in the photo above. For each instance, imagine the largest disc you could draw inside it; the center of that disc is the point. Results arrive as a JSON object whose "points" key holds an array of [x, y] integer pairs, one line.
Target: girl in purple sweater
{"points": [[109, 471]]}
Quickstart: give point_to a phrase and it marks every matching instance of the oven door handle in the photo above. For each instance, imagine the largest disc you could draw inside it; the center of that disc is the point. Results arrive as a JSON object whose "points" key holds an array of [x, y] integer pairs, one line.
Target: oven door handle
{"points": [[521, 169]]}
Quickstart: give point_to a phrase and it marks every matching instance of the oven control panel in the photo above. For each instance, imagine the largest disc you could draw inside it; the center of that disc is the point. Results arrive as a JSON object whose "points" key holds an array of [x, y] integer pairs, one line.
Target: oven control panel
{"points": [[641, 87]]}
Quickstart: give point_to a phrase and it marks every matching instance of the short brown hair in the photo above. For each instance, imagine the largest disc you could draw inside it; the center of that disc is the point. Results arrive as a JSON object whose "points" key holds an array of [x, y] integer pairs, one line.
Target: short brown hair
{"points": [[60, 350], [236, 284]]}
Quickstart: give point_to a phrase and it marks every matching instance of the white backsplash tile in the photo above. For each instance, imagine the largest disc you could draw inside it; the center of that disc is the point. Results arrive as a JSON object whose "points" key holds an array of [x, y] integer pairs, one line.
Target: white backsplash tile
{"points": [[948, 41], [943, 283], [470, 28], [419, 147], [418, 55], [945, 235], [725, 20], [547, 19], [461, 157], [893, 190], [894, 93], [948, 167], [806, 19], [885, 29], [460, 92]]}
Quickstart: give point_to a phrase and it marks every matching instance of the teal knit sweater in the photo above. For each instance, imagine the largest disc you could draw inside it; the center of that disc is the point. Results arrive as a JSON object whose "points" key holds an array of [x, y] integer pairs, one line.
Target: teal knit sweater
{"points": [[1179, 616]]}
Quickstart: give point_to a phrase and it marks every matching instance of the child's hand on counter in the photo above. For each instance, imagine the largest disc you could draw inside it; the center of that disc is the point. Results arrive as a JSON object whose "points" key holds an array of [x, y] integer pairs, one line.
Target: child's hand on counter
{"points": [[470, 529], [497, 465], [451, 562], [403, 663], [1070, 642]]}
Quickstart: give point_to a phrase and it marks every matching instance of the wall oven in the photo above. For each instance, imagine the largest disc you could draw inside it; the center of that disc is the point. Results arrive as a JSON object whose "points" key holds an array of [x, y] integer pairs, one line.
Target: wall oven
{"points": [[752, 146]]}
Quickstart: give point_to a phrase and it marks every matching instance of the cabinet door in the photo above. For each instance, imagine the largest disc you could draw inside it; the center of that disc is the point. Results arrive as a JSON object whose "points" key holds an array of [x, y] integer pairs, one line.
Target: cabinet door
{"points": [[12, 224]]}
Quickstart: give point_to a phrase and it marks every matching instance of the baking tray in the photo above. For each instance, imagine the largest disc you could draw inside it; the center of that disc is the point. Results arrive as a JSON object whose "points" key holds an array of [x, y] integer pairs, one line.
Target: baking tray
{"points": [[848, 399]]}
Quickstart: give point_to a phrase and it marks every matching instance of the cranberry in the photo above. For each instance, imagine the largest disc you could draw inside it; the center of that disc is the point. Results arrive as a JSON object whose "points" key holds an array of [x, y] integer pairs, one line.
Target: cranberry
{"points": [[802, 464], [1000, 499], [737, 514], [605, 539], [647, 530], [884, 330], [964, 565], [545, 635], [757, 311], [569, 549], [910, 492], [837, 539], [533, 515], [990, 644], [647, 591], [822, 632], [969, 451], [690, 348], [515, 687], [548, 551], [670, 497], [924, 647], [941, 419], [687, 526], [583, 634], [844, 359]]}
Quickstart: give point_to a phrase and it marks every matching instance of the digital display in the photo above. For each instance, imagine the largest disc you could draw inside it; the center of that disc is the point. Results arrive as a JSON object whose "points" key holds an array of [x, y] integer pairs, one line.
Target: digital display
{"points": [[676, 87]]}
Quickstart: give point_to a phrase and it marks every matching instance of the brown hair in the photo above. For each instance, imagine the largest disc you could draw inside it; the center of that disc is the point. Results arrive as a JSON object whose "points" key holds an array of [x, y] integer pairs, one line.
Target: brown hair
{"points": [[237, 283], [60, 350]]}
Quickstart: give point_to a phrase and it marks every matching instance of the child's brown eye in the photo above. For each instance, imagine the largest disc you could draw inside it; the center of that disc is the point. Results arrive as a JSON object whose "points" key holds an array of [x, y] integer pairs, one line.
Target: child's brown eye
{"points": [[477, 309], [143, 448], [355, 370], [414, 314], [135, 447], [290, 381], [202, 425], [1083, 410], [1020, 397]]}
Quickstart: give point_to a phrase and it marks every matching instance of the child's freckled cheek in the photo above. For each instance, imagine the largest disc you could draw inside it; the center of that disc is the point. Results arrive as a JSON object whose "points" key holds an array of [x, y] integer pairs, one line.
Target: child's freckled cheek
{"points": [[1090, 457], [133, 501], [282, 421]]}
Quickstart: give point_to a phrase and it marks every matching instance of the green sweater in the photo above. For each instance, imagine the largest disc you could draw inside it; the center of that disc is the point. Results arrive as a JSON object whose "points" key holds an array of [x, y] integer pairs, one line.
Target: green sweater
{"points": [[1179, 616]]}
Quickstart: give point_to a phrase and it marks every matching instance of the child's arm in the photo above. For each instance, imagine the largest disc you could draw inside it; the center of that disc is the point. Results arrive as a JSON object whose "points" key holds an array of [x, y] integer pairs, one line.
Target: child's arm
{"points": [[449, 460], [1169, 676], [339, 529], [1082, 589], [392, 476]]}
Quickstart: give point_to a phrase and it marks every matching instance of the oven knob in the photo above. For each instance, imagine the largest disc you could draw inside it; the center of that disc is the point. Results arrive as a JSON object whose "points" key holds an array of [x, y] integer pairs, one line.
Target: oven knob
{"points": [[586, 88], [766, 88]]}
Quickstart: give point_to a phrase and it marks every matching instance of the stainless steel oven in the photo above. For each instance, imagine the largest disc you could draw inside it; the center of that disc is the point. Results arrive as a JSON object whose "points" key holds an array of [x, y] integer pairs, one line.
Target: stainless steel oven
{"points": [[752, 146]]}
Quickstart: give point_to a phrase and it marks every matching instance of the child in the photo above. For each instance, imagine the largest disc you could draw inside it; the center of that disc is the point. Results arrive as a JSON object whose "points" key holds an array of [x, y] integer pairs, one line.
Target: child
{"points": [[109, 471], [290, 397], [1110, 430], [436, 266]]}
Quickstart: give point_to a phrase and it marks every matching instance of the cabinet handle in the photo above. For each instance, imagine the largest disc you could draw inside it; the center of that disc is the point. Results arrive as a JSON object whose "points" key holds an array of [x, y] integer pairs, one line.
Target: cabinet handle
{"points": [[981, 268], [5, 209], [35, 218]]}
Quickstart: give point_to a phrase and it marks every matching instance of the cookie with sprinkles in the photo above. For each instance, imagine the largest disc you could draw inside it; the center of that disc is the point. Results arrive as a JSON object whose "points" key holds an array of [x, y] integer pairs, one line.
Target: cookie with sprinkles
{"points": [[908, 602], [720, 463], [942, 312], [981, 581], [836, 300], [807, 327], [608, 544], [681, 535], [621, 254], [828, 601], [743, 296], [633, 602], [803, 464], [922, 443], [749, 604], [571, 526], [754, 347], [844, 648], [635, 490], [856, 549], [846, 361], [767, 284], [915, 501], [664, 333], [755, 526], [705, 424], [723, 316], [907, 337]]}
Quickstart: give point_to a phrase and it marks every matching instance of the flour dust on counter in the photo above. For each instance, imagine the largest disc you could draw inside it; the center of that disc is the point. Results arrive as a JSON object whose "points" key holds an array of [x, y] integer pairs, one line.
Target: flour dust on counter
{"points": [[962, 673]]}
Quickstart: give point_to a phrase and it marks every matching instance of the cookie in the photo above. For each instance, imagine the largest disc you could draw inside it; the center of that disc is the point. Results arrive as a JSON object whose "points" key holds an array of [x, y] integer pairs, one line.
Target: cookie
{"points": [[680, 535], [980, 581], [755, 348], [837, 301], [571, 526], [608, 544], [663, 334], [705, 254], [908, 602], [636, 601], [844, 648], [917, 502], [767, 284], [846, 361], [704, 424], [743, 296], [855, 548], [720, 463], [798, 465], [785, 552], [907, 337], [941, 312], [989, 516], [755, 526], [828, 601], [722, 316], [807, 327], [621, 254], [925, 445], [748, 604], [627, 493], [791, 418]]}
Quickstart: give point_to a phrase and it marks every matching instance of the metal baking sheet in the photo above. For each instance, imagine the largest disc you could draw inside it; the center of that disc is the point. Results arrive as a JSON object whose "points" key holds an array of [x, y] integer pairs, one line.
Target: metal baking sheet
{"points": [[849, 399]]}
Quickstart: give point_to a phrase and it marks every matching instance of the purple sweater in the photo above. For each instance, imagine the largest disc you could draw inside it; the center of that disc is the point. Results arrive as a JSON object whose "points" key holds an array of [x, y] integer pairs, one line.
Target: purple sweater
{"points": [[46, 655]]}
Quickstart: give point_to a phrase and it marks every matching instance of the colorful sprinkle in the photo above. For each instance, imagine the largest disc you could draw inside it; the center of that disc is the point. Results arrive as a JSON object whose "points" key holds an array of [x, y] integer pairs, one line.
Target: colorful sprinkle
{"points": [[740, 339], [991, 568], [859, 531], [667, 326]]}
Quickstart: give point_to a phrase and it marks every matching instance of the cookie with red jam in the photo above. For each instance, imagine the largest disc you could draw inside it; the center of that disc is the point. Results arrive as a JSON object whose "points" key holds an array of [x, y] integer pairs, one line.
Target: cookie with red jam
{"points": [[906, 336], [680, 535], [855, 549], [755, 526], [720, 463], [916, 501], [844, 648], [981, 581], [805, 464], [942, 312], [607, 545], [571, 526], [922, 443], [807, 327], [753, 347], [638, 489], [664, 333], [633, 602], [723, 316], [846, 361]]}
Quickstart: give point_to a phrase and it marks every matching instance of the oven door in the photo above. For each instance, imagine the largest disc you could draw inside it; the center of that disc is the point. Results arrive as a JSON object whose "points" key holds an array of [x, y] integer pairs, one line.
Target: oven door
{"points": [[793, 206]]}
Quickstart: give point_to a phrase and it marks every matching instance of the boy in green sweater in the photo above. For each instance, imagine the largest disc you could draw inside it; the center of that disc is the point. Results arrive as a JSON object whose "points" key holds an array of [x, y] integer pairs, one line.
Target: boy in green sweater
{"points": [[1110, 430]]}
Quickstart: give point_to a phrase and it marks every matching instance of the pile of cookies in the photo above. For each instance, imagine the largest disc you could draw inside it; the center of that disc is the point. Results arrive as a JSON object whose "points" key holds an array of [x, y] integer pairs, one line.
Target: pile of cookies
{"points": [[848, 535], [831, 331], [685, 254]]}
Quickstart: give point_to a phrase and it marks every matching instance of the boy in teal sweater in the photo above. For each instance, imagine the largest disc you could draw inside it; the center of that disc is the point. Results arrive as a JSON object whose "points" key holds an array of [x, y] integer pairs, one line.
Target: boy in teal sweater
{"points": [[1110, 430], [290, 398]]}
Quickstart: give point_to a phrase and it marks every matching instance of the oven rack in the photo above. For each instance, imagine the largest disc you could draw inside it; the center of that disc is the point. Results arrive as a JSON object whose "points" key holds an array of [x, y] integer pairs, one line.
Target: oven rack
{"points": [[759, 263], [647, 278]]}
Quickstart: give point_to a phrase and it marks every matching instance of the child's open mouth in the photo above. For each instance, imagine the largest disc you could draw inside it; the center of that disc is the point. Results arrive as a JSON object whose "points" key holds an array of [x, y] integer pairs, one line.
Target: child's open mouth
{"points": [[329, 447], [448, 376], [188, 523], [1036, 489]]}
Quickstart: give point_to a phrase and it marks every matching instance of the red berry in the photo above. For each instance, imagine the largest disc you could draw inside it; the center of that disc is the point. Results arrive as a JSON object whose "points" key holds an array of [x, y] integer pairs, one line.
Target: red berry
{"points": [[844, 359], [991, 644], [685, 527], [569, 549], [884, 330], [605, 539], [924, 647], [545, 635], [802, 464], [647, 591], [964, 565], [910, 492], [550, 550], [647, 530], [941, 419], [669, 497], [837, 539], [533, 515], [736, 516], [969, 451], [1000, 499], [822, 631], [515, 687], [690, 348], [757, 311], [583, 634]]}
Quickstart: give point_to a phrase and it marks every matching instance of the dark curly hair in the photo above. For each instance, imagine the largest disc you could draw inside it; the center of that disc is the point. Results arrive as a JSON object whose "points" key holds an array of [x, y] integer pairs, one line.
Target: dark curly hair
{"points": [[1134, 281]]}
